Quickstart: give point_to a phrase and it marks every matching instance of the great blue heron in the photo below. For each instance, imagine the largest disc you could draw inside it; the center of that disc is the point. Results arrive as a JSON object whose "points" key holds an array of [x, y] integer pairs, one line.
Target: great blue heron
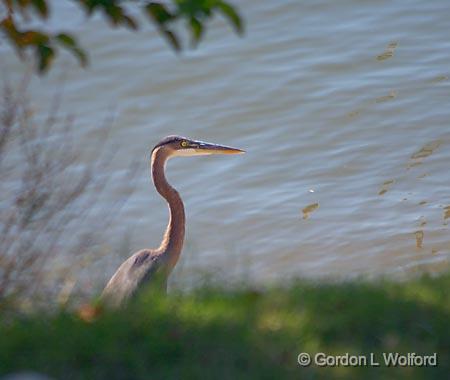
{"points": [[155, 265]]}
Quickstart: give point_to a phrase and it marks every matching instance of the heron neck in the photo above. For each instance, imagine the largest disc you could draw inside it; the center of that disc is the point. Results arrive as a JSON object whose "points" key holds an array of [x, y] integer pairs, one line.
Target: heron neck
{"points": [[173, 239]]}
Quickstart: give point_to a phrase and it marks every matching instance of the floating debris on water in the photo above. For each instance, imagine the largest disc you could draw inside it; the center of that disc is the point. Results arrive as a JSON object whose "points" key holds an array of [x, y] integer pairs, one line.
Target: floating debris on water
{"points": [[412, 164], [446, 212], [385, 186], [424, 152], [419, 238], [388, 53], [439, 78], [422, 221], [309, 209], [381, 99], [353, 113]]}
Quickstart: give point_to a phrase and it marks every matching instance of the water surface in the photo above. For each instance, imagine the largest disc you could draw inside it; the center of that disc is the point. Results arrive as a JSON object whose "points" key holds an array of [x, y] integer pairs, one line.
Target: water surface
{"points": [[343, 108]]}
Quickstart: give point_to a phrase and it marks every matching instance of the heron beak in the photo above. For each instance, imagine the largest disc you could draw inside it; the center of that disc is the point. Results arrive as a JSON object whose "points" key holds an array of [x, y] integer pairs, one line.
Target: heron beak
{"points": [[201, 148]]}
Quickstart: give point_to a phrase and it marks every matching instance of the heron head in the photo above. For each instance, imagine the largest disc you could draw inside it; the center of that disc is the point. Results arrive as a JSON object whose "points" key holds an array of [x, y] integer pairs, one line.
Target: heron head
{"points": [[178, 146]]}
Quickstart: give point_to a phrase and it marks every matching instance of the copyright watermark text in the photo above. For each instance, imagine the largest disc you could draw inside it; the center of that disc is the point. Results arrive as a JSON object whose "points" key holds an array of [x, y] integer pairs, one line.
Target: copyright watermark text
{"points": [[387, 359]]}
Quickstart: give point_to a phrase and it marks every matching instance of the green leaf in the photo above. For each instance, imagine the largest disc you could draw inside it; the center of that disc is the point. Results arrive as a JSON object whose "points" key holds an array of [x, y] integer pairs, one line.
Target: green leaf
{"points": [[41, 7], [33, 37], [158, 13], [67, 40], [196, 14], [231, 14], [113, 12], [173, 39], [45, 55], [8, 27], [196, 30], [129, 22], [70, 43]]}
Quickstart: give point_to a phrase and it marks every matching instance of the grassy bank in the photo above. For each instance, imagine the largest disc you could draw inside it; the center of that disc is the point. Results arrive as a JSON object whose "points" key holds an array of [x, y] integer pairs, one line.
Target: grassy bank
{"points": [[241, 334]]}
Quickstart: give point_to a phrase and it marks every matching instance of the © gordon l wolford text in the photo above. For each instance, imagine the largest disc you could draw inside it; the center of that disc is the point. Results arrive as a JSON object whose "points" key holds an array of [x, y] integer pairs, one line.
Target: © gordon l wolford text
{"points": [[388, 359]]}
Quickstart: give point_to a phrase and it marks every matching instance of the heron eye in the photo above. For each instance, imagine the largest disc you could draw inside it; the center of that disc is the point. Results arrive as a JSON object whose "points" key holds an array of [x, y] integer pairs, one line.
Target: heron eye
{"points": [[184, 144]]}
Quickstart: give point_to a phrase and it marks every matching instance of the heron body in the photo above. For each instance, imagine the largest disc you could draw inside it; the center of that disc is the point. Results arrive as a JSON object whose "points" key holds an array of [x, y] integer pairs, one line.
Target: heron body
{"points": [[152, 267]]}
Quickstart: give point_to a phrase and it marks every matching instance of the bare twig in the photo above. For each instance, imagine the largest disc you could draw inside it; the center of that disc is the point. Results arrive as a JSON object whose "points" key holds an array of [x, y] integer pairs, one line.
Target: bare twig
{"points": [[52, 210]]}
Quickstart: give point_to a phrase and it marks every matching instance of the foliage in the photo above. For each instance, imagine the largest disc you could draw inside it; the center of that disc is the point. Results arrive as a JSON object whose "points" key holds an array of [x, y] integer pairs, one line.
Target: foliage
{"points": [[48, 195], [245, 334], [119, 13]]}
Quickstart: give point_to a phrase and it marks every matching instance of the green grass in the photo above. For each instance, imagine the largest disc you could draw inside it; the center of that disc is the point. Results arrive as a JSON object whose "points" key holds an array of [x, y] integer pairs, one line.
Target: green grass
{"points": [[241, 334]]}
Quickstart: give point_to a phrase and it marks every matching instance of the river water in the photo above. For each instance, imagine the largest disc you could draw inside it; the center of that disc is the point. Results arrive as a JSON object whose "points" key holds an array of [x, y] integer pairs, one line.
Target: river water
{"points": [[342, 107]]}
